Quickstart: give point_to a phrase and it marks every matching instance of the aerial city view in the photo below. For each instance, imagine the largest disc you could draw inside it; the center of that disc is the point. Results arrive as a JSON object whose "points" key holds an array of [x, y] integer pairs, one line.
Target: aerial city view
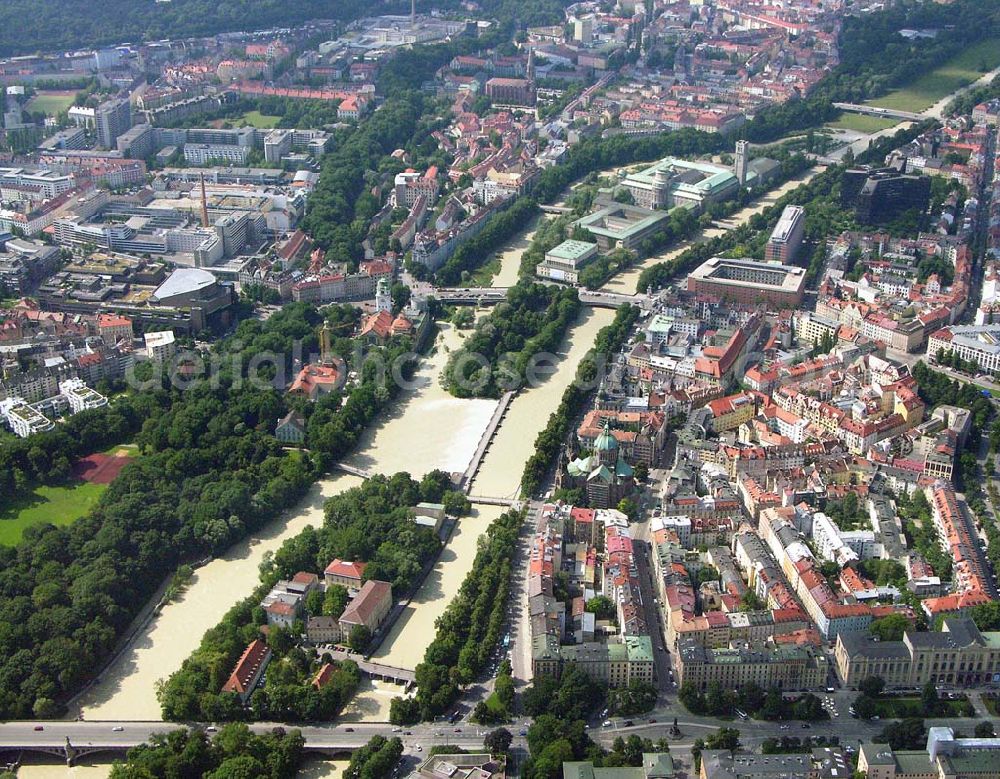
{"points": [[473, 389]]}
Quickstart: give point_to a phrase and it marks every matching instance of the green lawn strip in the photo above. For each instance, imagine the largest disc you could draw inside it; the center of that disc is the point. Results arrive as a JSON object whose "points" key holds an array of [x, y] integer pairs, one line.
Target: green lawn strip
{"points": [[940, 82], [903, 707], [58, 505], [861, 123]]}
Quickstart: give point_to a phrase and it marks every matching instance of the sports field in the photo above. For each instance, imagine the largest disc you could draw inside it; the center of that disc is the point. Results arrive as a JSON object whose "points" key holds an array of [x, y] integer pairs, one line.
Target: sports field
{"points": [[256, 119], [940, 82], [65, 503], [51, 102]]}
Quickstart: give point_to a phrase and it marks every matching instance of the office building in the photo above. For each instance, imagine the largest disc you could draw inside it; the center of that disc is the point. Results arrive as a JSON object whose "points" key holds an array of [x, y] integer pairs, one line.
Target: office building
{"points": [[978, 344], [748, 281], [945, 757], [786, 238], [563, 262], [112, 118], [880, 194], [959, 654]]}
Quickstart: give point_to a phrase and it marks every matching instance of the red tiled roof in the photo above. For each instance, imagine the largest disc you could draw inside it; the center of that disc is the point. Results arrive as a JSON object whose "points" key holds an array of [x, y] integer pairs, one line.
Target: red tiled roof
{"points": [[345, 569], [253, 657]]}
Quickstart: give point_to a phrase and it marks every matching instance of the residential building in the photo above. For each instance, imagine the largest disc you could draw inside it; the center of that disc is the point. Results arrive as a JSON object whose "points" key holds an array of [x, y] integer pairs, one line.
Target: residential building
{"points": [[112, 118], [81, 397], [22, 418], [160, 346], [291, 428], [248, 670], [368, 608], [347, 574]]}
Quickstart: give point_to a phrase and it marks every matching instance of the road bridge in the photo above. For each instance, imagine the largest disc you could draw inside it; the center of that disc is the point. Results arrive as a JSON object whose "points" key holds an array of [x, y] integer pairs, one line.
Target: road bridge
{"points": [[474, 296], [887, 113]]}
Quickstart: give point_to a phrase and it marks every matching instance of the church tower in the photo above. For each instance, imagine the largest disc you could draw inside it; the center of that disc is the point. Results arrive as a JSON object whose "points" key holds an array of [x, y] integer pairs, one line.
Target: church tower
{"points": [[383, 297]]}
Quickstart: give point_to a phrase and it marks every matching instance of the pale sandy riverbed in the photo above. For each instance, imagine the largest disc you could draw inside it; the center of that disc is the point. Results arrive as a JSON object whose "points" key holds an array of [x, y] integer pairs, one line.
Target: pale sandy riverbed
{"points": [[414, 630], [500, 474], [510, 258]]}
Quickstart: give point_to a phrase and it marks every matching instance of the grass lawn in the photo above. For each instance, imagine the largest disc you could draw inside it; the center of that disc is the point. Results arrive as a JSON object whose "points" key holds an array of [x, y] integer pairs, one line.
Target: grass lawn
{"points": [[900, 708], [483, 275], [861, 123], [256, 119], [50, 103], [58, 505], [942, 81]]}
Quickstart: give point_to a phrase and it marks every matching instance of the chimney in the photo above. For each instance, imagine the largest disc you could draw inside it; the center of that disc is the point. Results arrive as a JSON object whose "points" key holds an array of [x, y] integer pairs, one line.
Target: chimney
{"points": [[204, 204]]}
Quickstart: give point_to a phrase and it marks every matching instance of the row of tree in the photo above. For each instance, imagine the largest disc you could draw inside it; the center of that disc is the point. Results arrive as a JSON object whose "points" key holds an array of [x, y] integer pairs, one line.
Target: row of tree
{"points": [[769, 704], [233, 753]]}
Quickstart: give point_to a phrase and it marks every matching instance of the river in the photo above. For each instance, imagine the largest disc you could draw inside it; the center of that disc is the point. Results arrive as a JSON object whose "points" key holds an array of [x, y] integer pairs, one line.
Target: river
{"points": [[429, 429]]}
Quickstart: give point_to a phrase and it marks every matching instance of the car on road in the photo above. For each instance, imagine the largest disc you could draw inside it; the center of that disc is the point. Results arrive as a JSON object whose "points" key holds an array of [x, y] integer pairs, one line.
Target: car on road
{"points": [[606, 723], [806, 726], [408, 733], [522, 732], [458, 730], [211, 729], [348, 730], [627, 723], [420, 748], [117, 728], [397, 730], [39, 727], [652, 720]]}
